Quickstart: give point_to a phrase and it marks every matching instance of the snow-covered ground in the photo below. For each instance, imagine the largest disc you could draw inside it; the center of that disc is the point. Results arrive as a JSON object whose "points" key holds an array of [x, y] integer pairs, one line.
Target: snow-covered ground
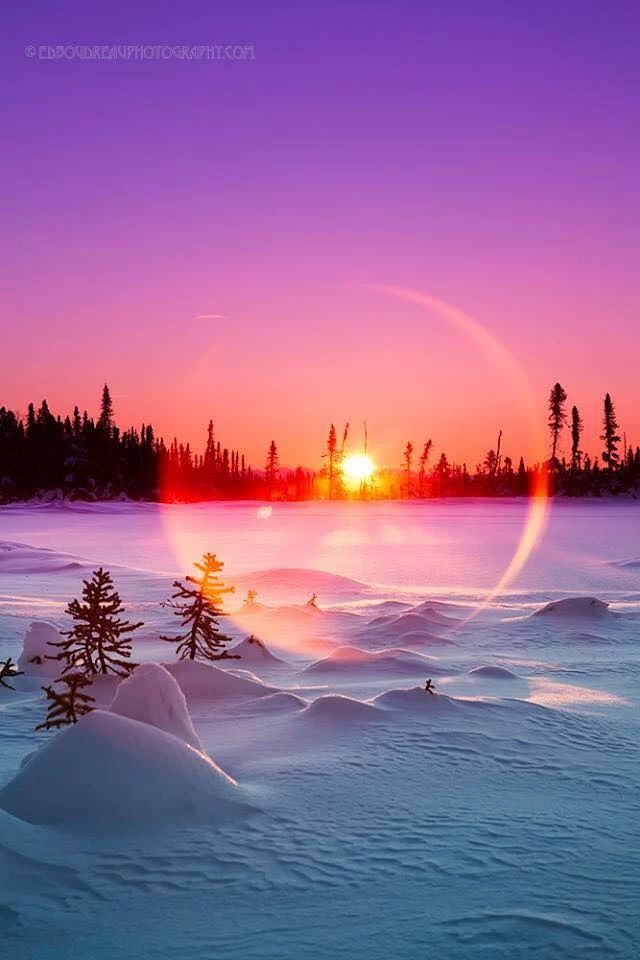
{"points": [[310, 800]]}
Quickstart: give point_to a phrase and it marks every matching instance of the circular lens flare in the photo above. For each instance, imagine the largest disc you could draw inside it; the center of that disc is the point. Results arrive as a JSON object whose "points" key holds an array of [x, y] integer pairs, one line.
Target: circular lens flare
{"points": [[293, 627], [539, 501]]}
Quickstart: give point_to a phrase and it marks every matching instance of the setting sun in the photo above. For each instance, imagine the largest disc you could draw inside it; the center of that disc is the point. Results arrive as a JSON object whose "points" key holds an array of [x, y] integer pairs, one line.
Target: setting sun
{"points": [[358, 467]]}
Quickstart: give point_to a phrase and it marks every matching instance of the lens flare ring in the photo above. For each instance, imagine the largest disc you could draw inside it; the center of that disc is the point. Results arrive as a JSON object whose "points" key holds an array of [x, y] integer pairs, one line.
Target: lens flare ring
{"points": [[187, 540], [539, 501]]}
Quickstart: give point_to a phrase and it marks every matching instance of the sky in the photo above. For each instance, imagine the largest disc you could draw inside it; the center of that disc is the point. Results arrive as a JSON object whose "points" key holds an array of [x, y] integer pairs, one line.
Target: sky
{"points": [[210, 236]]}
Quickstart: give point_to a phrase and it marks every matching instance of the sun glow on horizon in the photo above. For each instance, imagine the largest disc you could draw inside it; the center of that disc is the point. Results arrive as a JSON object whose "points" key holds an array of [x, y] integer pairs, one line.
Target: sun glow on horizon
{"points": [[358, 467]]}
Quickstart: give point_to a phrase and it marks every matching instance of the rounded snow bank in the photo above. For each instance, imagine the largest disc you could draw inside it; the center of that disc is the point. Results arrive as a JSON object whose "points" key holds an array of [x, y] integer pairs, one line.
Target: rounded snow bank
{"points": [[394, 627], [576, 608], [347, 659], [417, 700], [279, 702], [203, 681], [336, 709], [493, 673], [254, 651], [107, 770], [37, 647], [151, 695]]}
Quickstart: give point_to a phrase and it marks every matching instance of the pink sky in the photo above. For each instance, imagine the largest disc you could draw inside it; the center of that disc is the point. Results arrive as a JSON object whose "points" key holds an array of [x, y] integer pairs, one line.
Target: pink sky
{"points": [[497, 173]]}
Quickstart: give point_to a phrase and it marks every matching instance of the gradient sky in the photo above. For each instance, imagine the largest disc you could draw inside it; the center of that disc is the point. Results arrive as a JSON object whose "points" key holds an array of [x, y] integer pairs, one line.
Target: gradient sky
{"points": [[484, 153]]}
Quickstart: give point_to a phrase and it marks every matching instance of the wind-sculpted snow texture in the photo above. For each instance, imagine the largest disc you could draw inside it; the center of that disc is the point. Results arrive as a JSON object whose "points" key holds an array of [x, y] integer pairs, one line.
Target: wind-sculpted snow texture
{"points": [[312, 799]]}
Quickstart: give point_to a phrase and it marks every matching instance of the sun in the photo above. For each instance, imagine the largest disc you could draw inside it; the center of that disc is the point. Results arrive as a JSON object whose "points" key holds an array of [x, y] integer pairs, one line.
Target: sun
{"points": [[358, 467]]}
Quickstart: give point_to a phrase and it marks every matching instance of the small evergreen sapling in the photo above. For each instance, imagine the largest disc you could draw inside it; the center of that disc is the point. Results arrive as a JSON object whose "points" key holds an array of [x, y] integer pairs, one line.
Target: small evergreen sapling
{"points": [[250, 598], [99, 642], [68, 705], [7, 671], [198, 603]]}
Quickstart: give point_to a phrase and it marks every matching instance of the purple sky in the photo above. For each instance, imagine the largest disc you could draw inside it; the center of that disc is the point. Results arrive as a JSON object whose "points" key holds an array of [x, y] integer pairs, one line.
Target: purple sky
{"points": [[486, 155]]}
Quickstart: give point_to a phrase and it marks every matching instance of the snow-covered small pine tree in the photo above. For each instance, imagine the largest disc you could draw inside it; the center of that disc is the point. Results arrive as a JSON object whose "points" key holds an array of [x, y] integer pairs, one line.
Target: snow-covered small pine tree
{"points": [[198, 603], [7, 671], [99, 642], [68, 705]]}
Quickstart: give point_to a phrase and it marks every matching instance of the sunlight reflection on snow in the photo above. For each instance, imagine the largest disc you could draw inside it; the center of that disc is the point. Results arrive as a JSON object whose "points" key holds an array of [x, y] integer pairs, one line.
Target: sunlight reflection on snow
{"points": [[550, 693]]}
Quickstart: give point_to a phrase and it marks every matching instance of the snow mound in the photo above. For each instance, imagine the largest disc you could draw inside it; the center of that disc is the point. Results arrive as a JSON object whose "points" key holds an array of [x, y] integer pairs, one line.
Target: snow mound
{"points": [[406, 623], [346, 659], [200, 680], [436, 610], [36, 647], [421, 638], [416, 700], [279, 702], [295, 613], [493, 673], [573, 608], [253, 650], [391, 606], [20, 558], [295, 581], [108, 770], [336, 709], [633, 564], [151, 695]]}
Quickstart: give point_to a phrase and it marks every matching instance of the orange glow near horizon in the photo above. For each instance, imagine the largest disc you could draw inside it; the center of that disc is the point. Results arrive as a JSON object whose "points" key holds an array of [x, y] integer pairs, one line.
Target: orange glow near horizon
{"points": [[358, 467], [288, 628]]}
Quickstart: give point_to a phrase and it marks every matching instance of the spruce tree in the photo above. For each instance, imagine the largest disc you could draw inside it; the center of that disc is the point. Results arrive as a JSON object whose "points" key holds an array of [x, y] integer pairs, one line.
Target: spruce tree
{"points": [[198, 604], [610, 434], [68, 705], [557, 416], [250, 598], [576, 433], [271, 470], [331, 455], [100, 641], [7, 672], [424, 459], [408, 456], [105, 422]]}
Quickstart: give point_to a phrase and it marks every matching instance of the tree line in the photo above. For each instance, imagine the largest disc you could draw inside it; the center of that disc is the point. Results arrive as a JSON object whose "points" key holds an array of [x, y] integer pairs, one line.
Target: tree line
{"points": [[44, 456]]}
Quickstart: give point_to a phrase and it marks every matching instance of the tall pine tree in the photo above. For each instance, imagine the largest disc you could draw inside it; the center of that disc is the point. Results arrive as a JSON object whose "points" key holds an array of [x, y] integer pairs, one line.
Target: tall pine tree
{"points": [[198, 604], [610, 427], [100, 641], [576, 433], [557, 416], [271, 470]]}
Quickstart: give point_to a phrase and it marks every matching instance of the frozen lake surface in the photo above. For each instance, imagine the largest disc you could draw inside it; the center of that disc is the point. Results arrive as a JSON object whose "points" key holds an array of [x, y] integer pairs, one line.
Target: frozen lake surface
{"points": [[497, 819]]}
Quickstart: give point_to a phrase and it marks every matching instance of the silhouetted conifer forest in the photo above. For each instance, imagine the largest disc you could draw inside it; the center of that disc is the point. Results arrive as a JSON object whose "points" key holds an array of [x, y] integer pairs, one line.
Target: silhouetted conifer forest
{"points": [[44, 456]]}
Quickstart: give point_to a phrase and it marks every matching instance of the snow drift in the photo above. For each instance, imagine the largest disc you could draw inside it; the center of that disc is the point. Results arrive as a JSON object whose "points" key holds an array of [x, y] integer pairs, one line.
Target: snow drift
{"points": [[576, 608], [107, 769], [417, 700], [336, 709], [151, 695], [396, 626], [37, 648], [345, 660], [199, 681], [23, 559], [493, 672], [255, 651]]}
